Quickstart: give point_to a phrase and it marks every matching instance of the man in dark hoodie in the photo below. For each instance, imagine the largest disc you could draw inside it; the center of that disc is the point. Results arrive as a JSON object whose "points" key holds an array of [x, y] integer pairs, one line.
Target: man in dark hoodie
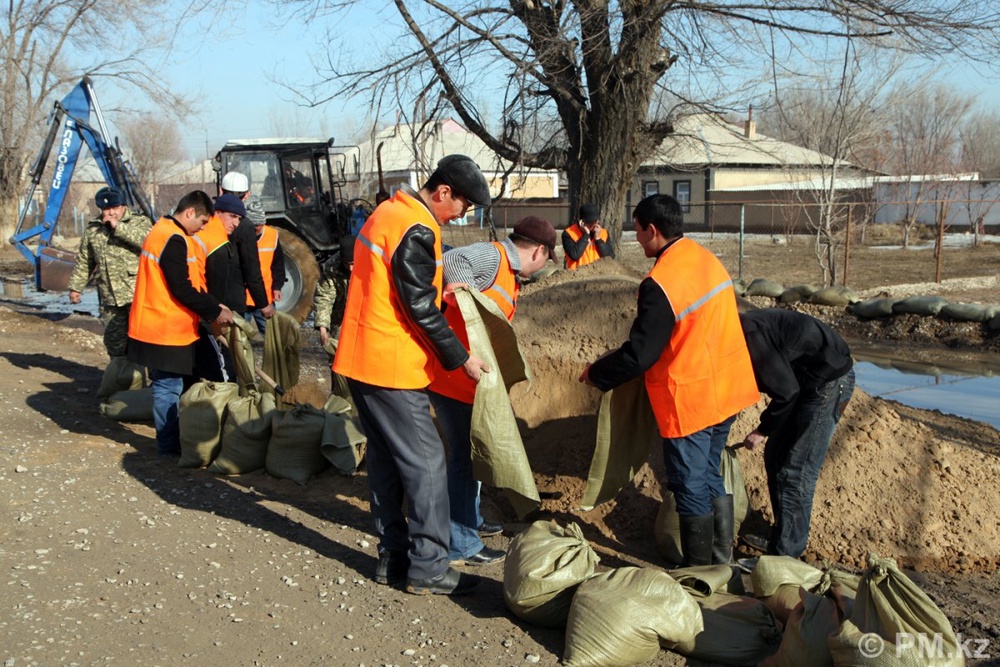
{"points": [[806, 369]]}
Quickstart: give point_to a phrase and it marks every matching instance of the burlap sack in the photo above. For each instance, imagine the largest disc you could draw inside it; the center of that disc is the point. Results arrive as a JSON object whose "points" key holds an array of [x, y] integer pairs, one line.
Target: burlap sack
{"points": [[920, 305], [202, 412], [342, 442], [894, 624], [738, 631], [240, 335], [776, 581], [804, 641], [294, 451], [667, 526], [544, 565], [620, 618], [702, 581], [764, 287], [134, 405], [245, 435], [872, 308], [282, 340], [121, 375]]}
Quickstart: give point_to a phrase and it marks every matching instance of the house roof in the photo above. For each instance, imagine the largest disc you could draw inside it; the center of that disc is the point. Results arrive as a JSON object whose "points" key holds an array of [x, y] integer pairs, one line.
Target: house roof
{"points": [[437, 139], [706, 139]]}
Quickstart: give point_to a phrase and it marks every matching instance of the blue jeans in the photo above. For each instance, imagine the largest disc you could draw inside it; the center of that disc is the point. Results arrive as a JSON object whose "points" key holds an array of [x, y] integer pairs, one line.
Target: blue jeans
{"points": [[693, 466], [455, 418], [167, 390], [254, 315], [793, 457]]}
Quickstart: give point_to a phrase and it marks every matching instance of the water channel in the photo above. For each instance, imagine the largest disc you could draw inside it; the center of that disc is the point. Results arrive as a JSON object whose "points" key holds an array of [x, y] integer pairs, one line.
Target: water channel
{"points": [[968, 389]]}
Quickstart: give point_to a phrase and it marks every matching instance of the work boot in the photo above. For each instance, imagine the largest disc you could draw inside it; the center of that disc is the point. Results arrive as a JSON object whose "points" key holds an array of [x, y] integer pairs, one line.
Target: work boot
{"points": [[392, 568], [722, 541], [696, 539], [449, 582]]}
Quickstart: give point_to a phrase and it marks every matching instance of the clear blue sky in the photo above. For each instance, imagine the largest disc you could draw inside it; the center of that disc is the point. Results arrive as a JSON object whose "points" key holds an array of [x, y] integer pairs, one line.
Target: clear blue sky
{"points": [[234, 74]]}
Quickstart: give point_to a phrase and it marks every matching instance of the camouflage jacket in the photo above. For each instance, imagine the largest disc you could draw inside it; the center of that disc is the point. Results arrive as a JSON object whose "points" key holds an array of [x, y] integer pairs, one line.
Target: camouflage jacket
{"points": [[114, 255], [331, 297]]}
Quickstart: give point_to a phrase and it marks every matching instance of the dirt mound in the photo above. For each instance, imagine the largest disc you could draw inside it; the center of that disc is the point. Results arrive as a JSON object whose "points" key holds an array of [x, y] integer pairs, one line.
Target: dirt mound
{"points": [[891, 484]]}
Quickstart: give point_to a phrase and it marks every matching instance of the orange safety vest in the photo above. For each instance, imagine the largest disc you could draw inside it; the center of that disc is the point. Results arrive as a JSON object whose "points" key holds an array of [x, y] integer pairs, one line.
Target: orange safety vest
{"points": [[213, 235], [379, 345], [504, 291], [704, 375], [589, 255], [157, 316], [267, 245]]}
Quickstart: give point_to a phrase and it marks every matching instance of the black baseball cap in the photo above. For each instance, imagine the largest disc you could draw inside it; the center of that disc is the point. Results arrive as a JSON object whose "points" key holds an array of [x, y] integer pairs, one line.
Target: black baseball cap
{"points": [[465, 178]]}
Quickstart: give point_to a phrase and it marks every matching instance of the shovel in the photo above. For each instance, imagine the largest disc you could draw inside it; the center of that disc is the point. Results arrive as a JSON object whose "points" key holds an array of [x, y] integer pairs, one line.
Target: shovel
{"points": [[278, 389]]}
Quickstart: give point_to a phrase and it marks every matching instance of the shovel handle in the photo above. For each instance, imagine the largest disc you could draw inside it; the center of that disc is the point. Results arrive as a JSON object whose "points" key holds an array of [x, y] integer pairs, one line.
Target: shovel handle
{"points": [[278, 389]]}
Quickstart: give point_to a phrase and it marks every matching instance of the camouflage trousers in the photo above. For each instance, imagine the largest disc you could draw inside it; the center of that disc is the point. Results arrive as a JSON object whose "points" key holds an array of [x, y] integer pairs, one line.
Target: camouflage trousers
{"points": [[115, 321]]}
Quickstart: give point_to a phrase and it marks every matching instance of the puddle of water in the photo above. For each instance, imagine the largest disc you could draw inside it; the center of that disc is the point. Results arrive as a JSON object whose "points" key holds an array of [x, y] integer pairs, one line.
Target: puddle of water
{"points": [[971, 396], [57, 302]]}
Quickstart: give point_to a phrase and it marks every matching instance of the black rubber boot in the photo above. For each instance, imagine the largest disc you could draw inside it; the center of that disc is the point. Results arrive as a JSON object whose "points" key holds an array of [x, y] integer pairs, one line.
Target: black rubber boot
{"points": [[696, 539], [722, 541]]}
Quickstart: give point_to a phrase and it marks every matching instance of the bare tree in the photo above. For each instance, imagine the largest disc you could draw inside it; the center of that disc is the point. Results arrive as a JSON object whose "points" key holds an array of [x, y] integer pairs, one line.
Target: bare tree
{"points": [[46, 46], [153, 146], [924, 129], [835, 113], [590, 87], [980, 153]]}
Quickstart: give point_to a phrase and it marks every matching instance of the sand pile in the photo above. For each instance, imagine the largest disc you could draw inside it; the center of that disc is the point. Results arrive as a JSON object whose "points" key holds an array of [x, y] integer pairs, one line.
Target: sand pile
{"points": [[919, 492]]}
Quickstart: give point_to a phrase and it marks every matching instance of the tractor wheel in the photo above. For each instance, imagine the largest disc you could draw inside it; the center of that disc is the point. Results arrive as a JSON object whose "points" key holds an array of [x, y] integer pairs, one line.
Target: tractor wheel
{"points": [[301, 276]]}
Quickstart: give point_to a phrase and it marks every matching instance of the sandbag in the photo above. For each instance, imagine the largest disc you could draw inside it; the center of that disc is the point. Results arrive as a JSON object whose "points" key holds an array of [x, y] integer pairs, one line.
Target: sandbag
{"points": [[968, 312], [702, 581], [738, 631], [342, 442], [544, 565], [245, 435], [797, 293], [202, 412], [621, 617], [776, 580], [133, 405], [837, 295], [121, 375], [872, 308], [804, 641], [294, 451], [764, 287], [667, 526], [241, 333], [282, 340], [920, 305], [892, 614]]}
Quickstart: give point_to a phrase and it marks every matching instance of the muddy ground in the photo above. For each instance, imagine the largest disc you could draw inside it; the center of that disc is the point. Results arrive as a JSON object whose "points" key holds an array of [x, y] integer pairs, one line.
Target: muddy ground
{"points": [[111, 554]]}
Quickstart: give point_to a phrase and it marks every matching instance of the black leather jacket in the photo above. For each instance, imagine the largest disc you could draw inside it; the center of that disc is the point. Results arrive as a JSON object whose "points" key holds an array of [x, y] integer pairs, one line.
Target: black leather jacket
{"points": [[413, 266]]}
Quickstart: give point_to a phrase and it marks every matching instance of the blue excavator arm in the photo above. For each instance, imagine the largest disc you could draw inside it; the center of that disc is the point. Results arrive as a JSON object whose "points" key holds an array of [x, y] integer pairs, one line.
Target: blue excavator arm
{"points": [[70, 129]]}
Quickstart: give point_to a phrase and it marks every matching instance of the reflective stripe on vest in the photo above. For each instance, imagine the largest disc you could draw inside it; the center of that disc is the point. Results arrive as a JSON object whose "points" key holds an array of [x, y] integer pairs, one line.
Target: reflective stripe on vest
{"points": [[157, 316], [503, 291], [267, 245], [590, 254], [704, 374], [379, 344]]}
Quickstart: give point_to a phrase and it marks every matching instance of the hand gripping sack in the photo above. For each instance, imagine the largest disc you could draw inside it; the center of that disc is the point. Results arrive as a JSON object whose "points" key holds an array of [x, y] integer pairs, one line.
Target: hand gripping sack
{"points": [[544, 565], [202, 411], [891, 614], [245, 434], [621, 617]]}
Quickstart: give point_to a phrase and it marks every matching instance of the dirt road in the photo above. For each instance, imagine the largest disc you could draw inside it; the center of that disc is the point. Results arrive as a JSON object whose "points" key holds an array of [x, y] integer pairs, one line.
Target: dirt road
{"points": [[111, 554]]}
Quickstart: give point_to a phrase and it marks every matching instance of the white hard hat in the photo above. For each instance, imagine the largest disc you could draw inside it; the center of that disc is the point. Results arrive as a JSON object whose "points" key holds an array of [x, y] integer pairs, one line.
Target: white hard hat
{"points": [[234, 181]]}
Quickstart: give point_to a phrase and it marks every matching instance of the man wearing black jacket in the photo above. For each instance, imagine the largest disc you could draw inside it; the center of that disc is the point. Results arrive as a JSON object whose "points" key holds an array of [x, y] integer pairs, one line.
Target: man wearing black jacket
{"points": [[392, 327], [806, 369], [168, 304]]}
